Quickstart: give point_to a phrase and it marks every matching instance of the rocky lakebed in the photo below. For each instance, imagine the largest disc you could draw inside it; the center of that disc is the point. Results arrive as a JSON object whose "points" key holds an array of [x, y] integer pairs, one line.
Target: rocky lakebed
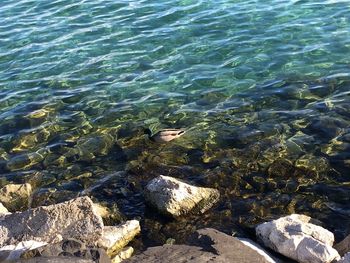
{"points": [[82, 231]]}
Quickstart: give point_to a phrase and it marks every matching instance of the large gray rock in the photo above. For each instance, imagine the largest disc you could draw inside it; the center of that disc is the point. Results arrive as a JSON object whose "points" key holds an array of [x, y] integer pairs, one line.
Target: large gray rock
{"points": [[295, 237], [175, 198], [72, 219], [16, 196], [206, 245], [343, 246]]}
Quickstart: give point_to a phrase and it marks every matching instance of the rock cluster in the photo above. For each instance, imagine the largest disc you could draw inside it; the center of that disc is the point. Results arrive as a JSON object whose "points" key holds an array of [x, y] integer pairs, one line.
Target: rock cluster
{"points": [[72, 229]]}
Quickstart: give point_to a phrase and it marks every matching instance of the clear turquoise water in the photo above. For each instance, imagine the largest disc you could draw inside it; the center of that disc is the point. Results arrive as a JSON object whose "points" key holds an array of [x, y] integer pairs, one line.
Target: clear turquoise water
{"points": [[263, 87]]}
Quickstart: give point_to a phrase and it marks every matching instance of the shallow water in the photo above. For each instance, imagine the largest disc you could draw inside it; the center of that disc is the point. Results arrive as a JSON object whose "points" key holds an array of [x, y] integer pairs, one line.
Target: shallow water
{"points": [[262, 86]]}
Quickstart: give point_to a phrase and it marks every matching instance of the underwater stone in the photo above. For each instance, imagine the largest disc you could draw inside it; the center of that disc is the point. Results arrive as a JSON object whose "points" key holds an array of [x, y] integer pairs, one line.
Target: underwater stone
{"points": [[24, 161], [73, 219], [117, 237], [175, 198], [313, 163], [88, 148], [327, 127], [4, 156], [16, 196], [281, 168], [55, 160], [295, 237]]}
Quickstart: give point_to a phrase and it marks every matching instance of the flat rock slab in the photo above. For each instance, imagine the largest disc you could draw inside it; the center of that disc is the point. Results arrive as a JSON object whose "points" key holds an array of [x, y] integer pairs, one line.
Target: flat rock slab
{"points": [[175, 198], [295, 237], [72, 219], [206, 245]]}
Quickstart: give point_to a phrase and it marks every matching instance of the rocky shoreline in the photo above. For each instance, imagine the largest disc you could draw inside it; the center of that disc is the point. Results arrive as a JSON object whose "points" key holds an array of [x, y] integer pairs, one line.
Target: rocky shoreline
{"points": [[78, 231]]}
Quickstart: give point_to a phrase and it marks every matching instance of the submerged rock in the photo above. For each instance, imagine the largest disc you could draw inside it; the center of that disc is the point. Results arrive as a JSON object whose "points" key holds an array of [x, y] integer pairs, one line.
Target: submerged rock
{"points": [[281, 168], [72, 219], [16, 196], [88, 148], [206, 245], [116, 237], [296, 238], [24, 161], [175, 198]]}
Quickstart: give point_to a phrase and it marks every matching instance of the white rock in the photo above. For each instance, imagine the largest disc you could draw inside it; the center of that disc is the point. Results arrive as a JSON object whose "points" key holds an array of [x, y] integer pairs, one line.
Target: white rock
{"points": [[116, 237], [296, 238], [15, 251], [175, 198]]}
